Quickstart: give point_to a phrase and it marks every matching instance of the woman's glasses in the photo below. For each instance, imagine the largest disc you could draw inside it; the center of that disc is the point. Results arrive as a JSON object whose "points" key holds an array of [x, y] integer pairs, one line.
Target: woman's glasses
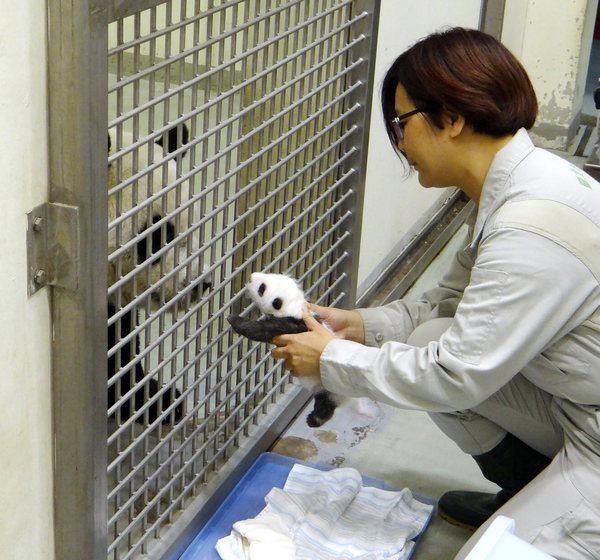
{"points": [[397, 125]]}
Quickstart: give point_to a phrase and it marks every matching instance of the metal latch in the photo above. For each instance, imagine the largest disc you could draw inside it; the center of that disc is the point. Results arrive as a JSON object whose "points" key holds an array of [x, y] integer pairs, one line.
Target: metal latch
{"points": [[52, 247]]}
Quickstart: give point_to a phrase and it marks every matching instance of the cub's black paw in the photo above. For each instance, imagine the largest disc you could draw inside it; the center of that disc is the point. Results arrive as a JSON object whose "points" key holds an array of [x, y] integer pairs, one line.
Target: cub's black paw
{"points": [[323, 409]]}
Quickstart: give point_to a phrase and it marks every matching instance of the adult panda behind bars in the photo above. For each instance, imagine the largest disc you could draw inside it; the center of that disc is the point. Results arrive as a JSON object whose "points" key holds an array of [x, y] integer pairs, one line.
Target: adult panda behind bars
{"points": [[153, 220], [150, 230], [282, 300]]}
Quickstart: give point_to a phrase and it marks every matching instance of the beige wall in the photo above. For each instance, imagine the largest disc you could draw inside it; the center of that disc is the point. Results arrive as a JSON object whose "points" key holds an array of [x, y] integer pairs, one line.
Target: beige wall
{"points": [[25, 437], [552, 38], [396, 206]]}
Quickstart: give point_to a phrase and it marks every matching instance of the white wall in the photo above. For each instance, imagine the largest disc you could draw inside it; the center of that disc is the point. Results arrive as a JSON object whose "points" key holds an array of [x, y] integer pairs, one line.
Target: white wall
{"points": [[25, 400], [552, 38], [395, 207]]}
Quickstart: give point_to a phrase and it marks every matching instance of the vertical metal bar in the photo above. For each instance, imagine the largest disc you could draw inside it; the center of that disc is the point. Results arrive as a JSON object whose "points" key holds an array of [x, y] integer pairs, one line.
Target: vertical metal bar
{"points": [[491, 17], [77, 46], [368, 27]]}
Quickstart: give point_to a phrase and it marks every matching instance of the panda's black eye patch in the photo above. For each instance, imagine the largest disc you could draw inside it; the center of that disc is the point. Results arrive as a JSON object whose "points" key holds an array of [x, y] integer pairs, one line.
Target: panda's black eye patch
{"points": [[261, 289], [277, 303], [156, 240]]}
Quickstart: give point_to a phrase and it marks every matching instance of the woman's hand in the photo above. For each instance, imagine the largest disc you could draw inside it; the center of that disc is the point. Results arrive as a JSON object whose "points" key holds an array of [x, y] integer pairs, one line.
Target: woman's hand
{"points": [[345, 324], [302, 352]]}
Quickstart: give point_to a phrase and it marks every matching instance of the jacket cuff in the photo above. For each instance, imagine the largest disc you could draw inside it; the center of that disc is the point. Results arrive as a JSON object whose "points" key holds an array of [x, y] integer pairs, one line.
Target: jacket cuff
{"points": [[341, 367], [379, 327]]}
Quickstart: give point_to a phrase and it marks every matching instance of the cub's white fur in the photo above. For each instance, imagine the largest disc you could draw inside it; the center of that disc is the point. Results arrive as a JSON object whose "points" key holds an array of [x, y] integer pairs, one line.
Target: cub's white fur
{"points": [[276, 287], [281, 296]]}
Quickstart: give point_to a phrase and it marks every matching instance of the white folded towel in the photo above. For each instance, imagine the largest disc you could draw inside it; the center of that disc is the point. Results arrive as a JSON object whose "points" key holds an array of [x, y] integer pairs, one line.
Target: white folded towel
{"points": [[328, 515]]}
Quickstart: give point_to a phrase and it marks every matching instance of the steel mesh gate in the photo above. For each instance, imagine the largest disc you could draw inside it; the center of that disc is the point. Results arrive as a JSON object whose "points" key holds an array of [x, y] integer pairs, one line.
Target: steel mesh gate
{"points": [[235, 143]]}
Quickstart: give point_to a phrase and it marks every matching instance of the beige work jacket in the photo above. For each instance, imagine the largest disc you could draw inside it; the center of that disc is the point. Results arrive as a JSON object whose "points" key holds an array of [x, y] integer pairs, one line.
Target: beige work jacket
{"points": [[523, 294]]}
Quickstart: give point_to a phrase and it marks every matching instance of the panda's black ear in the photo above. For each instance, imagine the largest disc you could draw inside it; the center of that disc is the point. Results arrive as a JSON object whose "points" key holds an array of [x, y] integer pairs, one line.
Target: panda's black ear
{"points": [[109, 142], [277, 303], [176, 137]]}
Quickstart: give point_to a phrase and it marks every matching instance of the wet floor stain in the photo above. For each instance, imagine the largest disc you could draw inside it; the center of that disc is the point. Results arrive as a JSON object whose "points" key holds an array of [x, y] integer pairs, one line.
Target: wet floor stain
{"points": [[337, 461], [361, 433], [326, 437], [296, 447]]}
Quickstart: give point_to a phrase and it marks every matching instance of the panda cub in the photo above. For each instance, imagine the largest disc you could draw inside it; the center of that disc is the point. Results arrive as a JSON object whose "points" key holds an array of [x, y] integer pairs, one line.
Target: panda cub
{"points": [[281, 300]]}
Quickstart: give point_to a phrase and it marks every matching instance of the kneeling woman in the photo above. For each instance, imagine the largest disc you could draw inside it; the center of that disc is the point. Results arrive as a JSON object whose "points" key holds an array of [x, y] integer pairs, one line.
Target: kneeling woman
{"points": [[505, 353]]}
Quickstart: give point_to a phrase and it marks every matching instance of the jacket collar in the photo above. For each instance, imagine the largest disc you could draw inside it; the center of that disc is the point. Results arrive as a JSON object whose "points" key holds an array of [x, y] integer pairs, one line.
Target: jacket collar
{"points": [[493, 193]]}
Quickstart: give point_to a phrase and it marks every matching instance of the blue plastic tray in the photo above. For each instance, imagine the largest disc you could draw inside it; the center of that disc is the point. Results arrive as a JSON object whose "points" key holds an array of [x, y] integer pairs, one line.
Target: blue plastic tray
{"points": [[247, 500]]}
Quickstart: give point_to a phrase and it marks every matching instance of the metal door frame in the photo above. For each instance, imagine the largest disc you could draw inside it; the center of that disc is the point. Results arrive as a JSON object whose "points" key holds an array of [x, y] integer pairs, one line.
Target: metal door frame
{"points": [[77, 80], [77, 43]]}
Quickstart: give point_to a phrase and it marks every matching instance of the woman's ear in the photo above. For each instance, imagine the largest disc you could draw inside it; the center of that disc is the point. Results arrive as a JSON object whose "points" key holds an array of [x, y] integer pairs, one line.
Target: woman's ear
{"points": [[454, 124]]}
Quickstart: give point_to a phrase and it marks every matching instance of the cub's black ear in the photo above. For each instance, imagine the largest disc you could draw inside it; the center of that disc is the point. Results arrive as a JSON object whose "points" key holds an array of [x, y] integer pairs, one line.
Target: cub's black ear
{"points": [[157, 239], [175, 137], [109, 142]]}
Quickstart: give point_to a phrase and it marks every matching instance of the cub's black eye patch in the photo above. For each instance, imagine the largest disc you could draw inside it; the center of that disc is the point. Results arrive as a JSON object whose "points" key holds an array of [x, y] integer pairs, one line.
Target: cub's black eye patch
{"points": [[261, 289], [277, 303]]}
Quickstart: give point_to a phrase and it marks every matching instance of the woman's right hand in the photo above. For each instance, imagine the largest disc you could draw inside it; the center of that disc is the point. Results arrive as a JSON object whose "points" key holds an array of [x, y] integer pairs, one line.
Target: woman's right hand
{"points": [[346, 324]]}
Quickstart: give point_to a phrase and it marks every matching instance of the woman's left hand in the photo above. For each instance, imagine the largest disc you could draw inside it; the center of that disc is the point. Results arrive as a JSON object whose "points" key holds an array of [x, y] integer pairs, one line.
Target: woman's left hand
{"points": [[302, 352]]}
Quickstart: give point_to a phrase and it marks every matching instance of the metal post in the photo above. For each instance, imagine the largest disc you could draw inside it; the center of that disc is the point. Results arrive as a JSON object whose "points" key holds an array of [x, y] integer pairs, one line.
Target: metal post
{"points": [[368, 26], [77, 45], [491, 17]]}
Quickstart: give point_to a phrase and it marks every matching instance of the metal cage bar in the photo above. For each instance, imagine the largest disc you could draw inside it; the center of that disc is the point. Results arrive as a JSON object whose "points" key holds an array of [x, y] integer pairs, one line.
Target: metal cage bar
{"points": [[265, 104]]}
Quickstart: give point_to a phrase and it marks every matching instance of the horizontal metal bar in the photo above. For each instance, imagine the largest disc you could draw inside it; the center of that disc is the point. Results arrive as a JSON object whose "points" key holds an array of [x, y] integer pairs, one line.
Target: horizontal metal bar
{"points": [[155, 475], [228, 254], [135, 6], [146, 351], [200, 429], [234, 60], [243, 216], [119, 9], [198, 140], [225, 478], [231, 388], [233, 146], [225, 355], [202, 15], [208, 372], [158, 133], [205, 219]]}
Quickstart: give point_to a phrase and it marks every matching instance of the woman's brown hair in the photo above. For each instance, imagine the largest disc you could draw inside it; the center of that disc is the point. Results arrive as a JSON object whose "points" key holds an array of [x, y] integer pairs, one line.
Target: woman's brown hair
{"points": [[463, 72]]}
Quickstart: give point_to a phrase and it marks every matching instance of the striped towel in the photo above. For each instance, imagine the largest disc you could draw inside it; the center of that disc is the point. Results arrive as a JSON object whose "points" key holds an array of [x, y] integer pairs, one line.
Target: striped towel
{"points": [[328, 515]]}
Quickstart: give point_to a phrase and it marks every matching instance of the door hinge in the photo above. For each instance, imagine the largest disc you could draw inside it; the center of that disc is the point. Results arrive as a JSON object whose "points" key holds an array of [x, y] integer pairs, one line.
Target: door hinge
{"points": [[52, 247]]}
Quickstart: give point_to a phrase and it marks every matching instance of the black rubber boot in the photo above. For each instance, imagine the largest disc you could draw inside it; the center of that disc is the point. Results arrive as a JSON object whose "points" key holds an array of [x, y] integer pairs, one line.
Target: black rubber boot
{"points": [[511, 465]]}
